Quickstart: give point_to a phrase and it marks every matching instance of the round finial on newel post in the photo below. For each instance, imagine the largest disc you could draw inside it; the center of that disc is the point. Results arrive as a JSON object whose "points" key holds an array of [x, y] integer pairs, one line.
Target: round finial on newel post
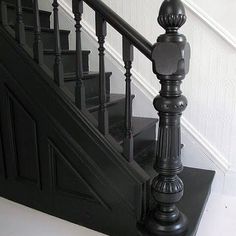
{"points": [[171, 15], [170, 57]]}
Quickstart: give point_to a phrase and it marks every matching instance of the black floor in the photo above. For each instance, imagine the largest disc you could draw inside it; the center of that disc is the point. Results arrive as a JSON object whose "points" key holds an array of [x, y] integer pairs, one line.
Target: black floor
{"points": [[197, 189]]}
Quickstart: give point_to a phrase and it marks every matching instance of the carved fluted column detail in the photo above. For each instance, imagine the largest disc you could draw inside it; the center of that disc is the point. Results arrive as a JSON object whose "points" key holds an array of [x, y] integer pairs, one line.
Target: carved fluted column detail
{"points": [[170, 57]]}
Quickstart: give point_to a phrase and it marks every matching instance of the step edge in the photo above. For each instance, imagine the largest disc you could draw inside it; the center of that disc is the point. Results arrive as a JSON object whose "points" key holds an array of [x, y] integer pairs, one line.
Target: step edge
{"points": [[114, 102], [108, 104], [29, 9], [64, 52], [149, 125], [43, 29], [70, 77]]}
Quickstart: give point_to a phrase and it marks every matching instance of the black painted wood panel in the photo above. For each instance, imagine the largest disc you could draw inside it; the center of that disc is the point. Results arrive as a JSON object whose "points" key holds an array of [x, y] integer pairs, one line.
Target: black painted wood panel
{"points": [[2, 158], [91, 186], [23, 130], [55, 105], [25, 3], [65, 178]]}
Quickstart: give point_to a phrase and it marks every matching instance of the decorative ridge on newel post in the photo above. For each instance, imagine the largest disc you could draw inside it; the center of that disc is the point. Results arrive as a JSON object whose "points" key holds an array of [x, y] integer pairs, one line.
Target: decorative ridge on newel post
{"points": [[170, 56]]}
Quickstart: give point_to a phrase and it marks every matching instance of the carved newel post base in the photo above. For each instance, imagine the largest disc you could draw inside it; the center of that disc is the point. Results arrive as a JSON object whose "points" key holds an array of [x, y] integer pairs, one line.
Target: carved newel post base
{"points": [[170, 58]]}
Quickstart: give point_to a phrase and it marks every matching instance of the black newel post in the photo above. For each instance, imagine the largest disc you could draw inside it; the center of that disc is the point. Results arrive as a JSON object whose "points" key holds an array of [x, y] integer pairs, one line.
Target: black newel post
{"points": [[170, 57]]}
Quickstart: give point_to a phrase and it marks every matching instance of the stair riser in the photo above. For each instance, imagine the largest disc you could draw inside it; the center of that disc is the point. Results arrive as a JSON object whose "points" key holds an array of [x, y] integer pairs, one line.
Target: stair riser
{"points": [[48, 39], [91, 86], [116, 112], [28, 17], [144, 139], [69, 62], [25, 3]]}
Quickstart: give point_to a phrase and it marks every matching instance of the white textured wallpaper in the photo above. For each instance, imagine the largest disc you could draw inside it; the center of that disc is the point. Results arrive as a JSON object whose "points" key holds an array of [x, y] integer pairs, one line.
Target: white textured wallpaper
{"points": [[221, 11]]}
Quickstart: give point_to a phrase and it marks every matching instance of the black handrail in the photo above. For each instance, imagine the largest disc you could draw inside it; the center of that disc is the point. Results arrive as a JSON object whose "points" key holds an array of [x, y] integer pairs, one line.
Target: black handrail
{"points": [[142, 44]]}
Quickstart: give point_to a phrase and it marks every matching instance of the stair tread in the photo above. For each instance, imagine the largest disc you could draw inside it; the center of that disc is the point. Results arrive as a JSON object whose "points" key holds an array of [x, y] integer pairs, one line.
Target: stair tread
{"points": [[63, 52], [27, 3], [138, 124], [93, 103], [70, 77], [29, 9], [43, 29]]}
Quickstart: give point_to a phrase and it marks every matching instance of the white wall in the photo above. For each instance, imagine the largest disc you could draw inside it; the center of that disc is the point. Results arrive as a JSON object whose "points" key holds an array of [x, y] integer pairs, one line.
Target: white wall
{"points": [[223, 12], [209, 123]]}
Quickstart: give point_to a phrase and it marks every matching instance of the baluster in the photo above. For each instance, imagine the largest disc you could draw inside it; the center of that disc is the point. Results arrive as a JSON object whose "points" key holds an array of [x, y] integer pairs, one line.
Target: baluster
{"points": [[77, 6], [58, 66], [3, 13], [101, 32], [170, 57], [128, 56], [38, 45], [19, 27]]}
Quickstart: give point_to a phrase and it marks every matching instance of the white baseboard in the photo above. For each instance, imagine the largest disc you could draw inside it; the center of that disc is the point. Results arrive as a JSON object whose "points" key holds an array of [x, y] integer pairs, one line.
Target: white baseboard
{"points": [[224, 34], [230, 183], [209, 150]]}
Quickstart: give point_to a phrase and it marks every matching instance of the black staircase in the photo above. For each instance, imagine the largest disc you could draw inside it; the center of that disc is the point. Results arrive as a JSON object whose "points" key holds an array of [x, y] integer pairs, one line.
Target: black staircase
{"points": [[71, 148]]}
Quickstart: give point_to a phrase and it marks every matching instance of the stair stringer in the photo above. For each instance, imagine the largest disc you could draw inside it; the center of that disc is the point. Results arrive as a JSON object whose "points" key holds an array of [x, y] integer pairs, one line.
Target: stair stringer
{"points": [[118, 189]]}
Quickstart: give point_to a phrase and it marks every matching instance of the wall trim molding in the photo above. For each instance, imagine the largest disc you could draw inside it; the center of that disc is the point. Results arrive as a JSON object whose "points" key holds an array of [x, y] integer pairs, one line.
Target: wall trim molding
{"points": [[224, 34], [211, 152], [139, 81]]}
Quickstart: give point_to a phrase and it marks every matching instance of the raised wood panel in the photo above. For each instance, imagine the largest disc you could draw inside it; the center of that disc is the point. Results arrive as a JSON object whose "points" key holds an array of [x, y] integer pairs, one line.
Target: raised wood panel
{"points": [[3, 172], [66, 180], [2, 158], [24, 140]]}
